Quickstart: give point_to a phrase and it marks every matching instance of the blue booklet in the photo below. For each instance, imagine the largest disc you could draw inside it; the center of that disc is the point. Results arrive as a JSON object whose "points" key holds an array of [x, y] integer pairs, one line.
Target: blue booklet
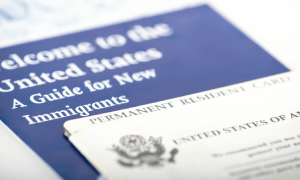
{"points": [[47, 82]]}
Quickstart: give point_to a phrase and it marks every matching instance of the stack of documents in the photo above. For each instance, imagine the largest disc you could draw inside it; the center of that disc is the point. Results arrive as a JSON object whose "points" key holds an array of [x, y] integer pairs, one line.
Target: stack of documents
{"points": [[244, 131], [179, 94]]}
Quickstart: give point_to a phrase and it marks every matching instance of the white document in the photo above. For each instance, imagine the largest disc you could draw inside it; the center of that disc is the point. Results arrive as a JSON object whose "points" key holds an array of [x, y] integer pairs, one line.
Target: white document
{"points": [[251, 135], [76, 125]]}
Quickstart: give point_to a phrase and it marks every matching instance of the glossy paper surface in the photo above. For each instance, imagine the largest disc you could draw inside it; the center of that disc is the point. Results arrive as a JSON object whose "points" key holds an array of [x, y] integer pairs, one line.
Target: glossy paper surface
{"points": [[200, 51]]}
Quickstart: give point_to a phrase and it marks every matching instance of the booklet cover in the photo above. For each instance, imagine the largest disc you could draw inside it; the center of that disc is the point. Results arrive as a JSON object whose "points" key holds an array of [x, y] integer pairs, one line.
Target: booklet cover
{"points": [[47, 82]]}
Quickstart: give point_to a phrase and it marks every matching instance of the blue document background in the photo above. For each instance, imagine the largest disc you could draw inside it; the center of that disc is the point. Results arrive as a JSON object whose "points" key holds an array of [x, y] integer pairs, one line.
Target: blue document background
{"points": [[205, 52]]}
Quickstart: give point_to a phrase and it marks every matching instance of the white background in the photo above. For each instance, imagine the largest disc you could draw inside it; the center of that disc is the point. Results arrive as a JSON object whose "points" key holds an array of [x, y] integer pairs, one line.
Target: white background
{"points": [[273, 24]]}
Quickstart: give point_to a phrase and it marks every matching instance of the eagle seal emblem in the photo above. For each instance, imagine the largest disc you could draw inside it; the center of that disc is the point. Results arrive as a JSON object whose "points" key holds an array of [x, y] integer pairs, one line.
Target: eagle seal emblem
{"points": [[136, 151]]}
